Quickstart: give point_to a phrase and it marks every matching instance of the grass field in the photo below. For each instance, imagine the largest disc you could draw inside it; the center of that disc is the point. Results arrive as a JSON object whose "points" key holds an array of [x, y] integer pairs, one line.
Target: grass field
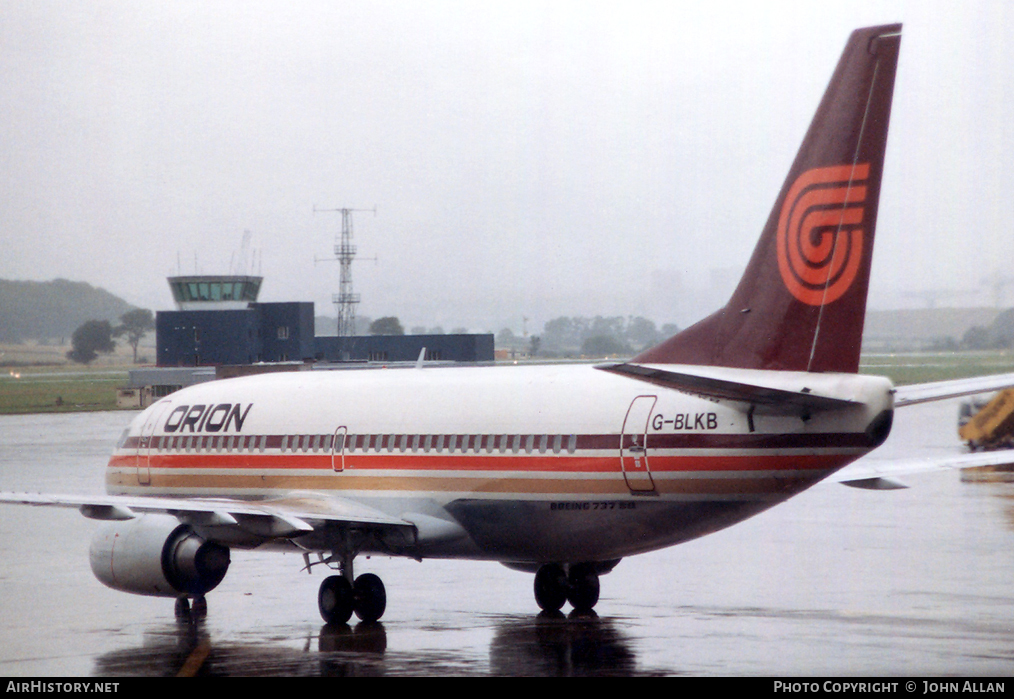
{"points": [[29, 391], [936, 366], [37, 378], [42, 381]]}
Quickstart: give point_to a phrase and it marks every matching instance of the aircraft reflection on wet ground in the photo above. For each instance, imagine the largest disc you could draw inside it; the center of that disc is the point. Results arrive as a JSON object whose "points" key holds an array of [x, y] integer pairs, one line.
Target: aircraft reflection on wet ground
{"points": [[543, 645], [836, 581]]}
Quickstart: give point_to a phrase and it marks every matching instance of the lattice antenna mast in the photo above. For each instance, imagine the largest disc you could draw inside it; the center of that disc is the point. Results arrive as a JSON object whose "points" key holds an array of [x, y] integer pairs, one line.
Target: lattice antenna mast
{"points": [[345, 300]]}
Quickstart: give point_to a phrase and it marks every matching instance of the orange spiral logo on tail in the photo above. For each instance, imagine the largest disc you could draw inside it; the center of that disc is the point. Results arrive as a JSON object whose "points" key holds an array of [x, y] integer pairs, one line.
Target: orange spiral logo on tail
{"points": [[820, 238]]}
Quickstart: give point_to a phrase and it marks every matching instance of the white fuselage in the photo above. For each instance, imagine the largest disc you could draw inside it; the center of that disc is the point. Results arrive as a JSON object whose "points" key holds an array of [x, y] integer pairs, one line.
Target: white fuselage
{"points": [[536, 463]]}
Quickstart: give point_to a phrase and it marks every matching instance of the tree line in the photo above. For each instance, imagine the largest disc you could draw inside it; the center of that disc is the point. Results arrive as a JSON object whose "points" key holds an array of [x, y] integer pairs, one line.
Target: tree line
{"points": [[578, 336]]}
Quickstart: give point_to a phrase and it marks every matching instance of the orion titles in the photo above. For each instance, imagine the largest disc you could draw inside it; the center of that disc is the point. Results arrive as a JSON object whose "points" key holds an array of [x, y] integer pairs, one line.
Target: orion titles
{"points": [[221, 417]]}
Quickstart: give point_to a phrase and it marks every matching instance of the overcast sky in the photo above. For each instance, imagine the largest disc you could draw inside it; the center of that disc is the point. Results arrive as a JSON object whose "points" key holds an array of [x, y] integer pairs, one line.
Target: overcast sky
{"points": [[526, 159]]}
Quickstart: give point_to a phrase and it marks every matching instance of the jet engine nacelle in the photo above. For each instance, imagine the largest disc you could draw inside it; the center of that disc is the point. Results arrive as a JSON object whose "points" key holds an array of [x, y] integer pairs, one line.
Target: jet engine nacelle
{"points": [[157, 555]]}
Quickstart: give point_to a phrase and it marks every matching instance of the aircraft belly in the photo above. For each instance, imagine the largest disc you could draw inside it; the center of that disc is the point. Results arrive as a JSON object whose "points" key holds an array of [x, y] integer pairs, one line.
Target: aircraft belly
{"points": [[573, 531]]}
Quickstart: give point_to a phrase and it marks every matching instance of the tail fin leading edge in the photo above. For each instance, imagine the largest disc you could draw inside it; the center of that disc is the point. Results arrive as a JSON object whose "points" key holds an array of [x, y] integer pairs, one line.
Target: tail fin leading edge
{"points": [[801, 303]]}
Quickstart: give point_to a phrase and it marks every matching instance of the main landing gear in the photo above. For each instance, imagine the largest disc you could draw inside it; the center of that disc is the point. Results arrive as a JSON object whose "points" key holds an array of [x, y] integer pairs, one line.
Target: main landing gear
{"points": [[339, 596], [577, 584], [184, 610]]}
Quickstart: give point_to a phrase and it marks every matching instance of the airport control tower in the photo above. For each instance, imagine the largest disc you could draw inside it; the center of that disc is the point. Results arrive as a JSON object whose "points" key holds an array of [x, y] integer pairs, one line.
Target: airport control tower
{"points": [[219, 321], [214, 292]]}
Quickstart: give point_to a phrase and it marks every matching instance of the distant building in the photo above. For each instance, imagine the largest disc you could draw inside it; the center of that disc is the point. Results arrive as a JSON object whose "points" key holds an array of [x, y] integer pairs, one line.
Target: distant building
{"points": [[218, 322], [406, 348]]}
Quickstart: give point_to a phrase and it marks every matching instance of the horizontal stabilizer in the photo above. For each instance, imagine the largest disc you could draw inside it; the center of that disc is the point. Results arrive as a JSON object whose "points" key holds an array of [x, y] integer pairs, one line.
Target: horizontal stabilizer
{"points": [[766, 399], [939, 390], [878, 483], [870, 472]]}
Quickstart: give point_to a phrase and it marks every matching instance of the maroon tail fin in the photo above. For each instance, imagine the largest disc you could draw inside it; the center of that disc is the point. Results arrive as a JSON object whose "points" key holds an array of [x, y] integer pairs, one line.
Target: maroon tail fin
{"points": [[801, 303]]}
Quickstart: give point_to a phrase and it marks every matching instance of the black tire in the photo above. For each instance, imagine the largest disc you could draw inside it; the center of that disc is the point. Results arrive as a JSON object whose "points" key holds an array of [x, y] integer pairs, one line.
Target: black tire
{"points": [[551, 587], [370, 597], [583, 584], [335, 600], [182, 608], [199, 609]]}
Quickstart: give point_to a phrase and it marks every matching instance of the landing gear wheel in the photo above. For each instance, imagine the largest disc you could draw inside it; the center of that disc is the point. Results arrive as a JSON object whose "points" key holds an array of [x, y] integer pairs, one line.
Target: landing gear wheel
{"points": [[335, 600], [182, 608], [551, 587], [199, 609], [583, 584], [369, 597]]}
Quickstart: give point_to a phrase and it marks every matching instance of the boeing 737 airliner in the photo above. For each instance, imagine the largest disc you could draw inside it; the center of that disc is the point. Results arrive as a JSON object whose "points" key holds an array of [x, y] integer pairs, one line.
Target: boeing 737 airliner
{"points": [[560, 470]]}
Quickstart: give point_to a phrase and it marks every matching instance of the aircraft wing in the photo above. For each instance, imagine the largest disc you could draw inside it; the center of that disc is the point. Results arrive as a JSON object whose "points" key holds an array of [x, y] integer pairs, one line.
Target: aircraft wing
{"points": [[939, 390], [294, 515]]}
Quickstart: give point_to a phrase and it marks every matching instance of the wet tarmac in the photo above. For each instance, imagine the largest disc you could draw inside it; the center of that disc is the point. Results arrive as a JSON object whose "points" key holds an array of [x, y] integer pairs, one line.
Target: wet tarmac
{"points": [[834, 582]]}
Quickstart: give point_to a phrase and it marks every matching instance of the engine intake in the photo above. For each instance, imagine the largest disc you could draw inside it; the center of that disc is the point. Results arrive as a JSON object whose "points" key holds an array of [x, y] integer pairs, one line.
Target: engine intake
{"points": [[157, 555]]}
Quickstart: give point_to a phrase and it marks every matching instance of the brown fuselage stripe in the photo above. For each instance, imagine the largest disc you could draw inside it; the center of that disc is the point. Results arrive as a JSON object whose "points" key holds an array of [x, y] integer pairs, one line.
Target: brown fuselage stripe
{"points": [[525, 486]]}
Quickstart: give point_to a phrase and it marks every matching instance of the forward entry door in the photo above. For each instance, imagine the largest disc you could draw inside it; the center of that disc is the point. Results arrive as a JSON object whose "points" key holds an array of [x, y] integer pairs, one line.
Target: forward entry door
{"points": [[145, 443]]}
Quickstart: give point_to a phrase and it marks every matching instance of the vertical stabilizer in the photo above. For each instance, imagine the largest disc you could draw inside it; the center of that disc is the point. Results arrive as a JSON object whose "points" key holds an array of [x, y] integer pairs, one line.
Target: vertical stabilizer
{"points": [[801, 302]]}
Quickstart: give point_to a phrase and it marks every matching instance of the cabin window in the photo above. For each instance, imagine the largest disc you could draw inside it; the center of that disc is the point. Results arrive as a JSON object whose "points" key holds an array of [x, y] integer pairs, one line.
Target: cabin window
{"points": [[572, 443], [427, 442]]}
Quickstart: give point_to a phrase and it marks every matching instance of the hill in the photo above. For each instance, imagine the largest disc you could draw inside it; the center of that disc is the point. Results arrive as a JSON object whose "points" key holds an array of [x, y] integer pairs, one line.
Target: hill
{"points": [[53, 310]]}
